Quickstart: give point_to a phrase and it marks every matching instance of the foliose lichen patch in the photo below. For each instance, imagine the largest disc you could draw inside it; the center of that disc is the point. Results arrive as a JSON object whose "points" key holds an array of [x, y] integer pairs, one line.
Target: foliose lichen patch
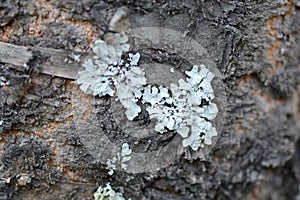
{"points": [[185, 107], [107, 193], [120, 159]]}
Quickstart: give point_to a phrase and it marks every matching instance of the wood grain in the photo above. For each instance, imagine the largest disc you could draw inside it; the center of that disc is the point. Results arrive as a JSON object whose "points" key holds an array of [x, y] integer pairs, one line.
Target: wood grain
{"points": [[58, 63]]}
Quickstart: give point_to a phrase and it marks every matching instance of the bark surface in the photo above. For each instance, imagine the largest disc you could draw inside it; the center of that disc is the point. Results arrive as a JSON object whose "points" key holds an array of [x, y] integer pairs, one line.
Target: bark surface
{"points": [[44, 118]]}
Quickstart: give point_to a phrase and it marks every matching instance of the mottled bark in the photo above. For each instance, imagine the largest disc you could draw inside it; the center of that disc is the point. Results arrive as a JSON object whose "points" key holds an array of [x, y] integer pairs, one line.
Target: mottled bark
{"points": [[254, 44]]}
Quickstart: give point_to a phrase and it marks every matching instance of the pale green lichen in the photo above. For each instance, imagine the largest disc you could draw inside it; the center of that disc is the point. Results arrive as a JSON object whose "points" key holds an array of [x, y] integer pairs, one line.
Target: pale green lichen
{"points": [[107, 193], [154, 95], [128, 90], [121, 159], [110, 51], [93, 79], [185, 108], [111, 165], [125, 155], [108, 74]]}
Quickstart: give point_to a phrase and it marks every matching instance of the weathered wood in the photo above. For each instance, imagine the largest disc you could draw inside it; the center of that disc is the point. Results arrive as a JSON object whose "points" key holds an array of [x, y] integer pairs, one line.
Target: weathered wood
{"points": [[60, 63], [13, 54]]}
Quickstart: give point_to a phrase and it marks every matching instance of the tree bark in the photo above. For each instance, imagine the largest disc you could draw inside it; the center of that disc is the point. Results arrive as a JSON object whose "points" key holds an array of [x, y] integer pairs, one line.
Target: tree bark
{"points": [[45, 118]]}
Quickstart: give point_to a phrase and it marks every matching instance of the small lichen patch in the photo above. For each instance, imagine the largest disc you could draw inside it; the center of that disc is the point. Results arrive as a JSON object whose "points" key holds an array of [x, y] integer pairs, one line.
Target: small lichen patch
{"points": [[121, 159], [125, 155], [3, 81], [72, 57], [111, 165], [107, 193]]}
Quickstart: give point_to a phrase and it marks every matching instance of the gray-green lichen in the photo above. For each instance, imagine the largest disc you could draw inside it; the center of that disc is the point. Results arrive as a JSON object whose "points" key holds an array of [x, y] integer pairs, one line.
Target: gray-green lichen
{"points": [[108, 74], [107, 193], [185, 108], [120, 159], [188, 110]]}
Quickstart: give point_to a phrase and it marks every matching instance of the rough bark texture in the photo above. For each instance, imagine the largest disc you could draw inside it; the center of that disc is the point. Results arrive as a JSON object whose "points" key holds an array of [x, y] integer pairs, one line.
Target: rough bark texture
{"points": [[256, 46]]}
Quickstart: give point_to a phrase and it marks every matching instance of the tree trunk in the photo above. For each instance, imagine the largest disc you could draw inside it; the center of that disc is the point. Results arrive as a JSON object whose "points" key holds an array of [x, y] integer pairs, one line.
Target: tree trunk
{"points": [[55, 138]]}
